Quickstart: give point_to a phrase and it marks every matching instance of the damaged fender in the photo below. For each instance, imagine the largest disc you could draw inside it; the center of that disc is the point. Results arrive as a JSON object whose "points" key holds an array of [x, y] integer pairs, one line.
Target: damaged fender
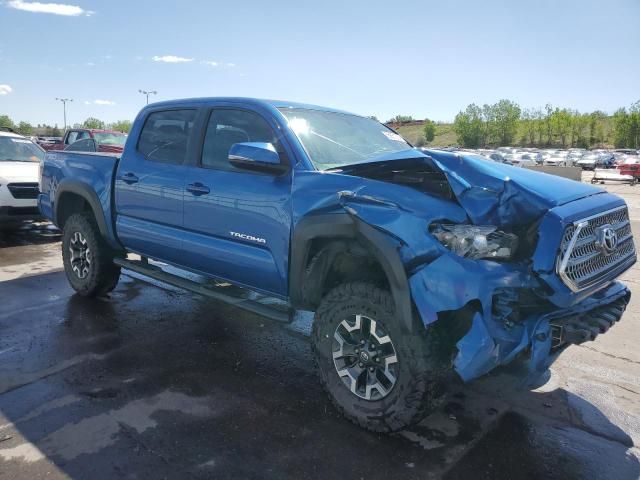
{"points": [[387, 202]]}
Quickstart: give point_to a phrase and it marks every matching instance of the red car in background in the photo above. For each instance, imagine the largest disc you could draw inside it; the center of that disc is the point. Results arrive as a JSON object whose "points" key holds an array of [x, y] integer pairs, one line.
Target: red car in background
{"points": [[89, 140]]}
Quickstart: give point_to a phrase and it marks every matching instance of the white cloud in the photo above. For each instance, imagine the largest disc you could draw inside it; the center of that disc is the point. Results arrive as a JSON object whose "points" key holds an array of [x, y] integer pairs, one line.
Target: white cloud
{"points": [[209, 63], [5, 89], [90, 64], [54, 8], [99, 102], [171, 59], [231, 64]]}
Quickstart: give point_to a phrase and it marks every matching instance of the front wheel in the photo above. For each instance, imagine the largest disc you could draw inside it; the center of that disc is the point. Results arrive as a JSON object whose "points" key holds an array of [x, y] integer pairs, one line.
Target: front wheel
{"points": [[88, 260], [378, 375]]}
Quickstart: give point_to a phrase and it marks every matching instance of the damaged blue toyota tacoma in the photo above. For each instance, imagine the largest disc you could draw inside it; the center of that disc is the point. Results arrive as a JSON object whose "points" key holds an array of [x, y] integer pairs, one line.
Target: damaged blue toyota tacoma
{"points": [[417, 263]]}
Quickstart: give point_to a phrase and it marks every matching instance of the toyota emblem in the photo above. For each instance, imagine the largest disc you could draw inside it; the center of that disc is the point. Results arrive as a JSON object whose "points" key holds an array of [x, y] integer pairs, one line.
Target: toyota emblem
{"points": [[606, 239]]}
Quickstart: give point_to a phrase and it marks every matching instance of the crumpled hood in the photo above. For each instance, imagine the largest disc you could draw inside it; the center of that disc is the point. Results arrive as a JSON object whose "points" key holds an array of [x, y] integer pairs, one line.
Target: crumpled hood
{"points": [[493, 193], [504, 195], [18, 172]]}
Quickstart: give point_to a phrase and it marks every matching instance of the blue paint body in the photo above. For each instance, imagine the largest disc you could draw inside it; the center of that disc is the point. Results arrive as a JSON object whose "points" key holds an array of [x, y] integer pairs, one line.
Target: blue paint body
{"points": [[161, 216]]}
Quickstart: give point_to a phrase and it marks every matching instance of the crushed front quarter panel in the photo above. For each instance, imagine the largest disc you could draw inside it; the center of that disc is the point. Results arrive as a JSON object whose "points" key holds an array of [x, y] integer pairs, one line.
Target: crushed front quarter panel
{"points": [[486, 193]]}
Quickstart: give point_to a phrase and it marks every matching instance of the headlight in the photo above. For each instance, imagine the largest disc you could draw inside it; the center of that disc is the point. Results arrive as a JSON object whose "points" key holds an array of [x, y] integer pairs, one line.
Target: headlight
{"points": [[472, 241]]}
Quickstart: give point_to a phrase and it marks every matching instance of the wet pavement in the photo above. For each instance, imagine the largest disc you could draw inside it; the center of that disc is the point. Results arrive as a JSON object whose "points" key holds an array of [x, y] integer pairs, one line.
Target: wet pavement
{"points": [[154, 382]]}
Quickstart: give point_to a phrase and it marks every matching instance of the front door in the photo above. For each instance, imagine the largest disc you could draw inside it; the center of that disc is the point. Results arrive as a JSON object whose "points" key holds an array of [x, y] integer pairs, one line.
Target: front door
{"points": [[237, 223], [150, 184]]}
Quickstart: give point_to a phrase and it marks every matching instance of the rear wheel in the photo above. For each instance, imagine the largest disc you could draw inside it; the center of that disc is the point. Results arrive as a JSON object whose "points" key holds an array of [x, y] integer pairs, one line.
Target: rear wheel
{"points": [[379, 376], [88, 260]]}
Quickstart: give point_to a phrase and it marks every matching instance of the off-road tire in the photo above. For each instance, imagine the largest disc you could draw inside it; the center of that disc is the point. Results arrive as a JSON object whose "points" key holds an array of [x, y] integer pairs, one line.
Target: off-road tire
{"points": [[103, 274], [422, 366]]}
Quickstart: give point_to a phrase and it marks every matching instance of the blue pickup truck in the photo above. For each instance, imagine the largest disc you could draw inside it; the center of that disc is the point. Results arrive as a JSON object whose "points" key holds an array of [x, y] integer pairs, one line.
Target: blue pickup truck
{"points": [[418, 264]]}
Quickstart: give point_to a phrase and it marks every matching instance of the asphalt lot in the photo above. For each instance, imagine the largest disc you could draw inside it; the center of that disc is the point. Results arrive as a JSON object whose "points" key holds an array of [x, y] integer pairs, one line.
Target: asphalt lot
{"points": [[153, 382]]}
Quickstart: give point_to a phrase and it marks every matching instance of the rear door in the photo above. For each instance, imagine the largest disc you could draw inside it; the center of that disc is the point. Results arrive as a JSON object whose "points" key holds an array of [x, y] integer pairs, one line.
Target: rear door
{"points": [[237, 223], [150, 183]]}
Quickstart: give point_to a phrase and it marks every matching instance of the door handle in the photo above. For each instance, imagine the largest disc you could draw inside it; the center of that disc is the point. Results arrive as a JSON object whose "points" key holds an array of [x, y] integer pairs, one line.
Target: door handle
{"points": [[198, 188], [129, 178]]}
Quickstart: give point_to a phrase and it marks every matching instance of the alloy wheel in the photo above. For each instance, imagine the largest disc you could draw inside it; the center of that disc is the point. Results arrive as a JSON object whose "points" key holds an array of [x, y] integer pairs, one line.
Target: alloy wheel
{"points": [[80, 255], [365, 357]]}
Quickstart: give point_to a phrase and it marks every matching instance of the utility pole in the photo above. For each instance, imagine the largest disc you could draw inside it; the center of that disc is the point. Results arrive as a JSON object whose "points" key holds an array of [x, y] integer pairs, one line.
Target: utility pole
{"points": [[147, 93], [64, 108]]}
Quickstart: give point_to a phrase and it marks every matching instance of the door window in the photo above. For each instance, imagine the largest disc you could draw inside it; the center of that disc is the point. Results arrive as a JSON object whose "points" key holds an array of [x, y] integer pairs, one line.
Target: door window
{"points": [[227, 127], [84, 145], [72, 137], [165, 135]]}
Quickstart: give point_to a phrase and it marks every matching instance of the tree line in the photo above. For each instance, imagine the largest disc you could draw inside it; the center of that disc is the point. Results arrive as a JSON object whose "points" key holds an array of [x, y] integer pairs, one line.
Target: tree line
{"points": [[505, 123], [26, 128]]}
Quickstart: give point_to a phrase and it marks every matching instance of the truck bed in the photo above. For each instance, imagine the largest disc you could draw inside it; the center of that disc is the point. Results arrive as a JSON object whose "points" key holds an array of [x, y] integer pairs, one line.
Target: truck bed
{"points": [[68, 172]]}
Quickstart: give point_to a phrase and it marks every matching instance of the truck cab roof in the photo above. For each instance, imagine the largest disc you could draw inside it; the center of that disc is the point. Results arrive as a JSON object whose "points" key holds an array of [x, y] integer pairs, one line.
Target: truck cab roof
{"points": [[248, 101]]}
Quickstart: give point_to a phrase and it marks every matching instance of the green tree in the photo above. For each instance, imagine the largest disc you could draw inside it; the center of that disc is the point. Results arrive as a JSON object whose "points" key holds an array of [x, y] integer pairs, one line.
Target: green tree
{"points": [[123, 126], [401, 119], [561, 124], [5, 121], [596, 130], [488, 125], [634, 125], [92, 122], [429, 130], [25, 128], [621, 127], [468, 126], [541, 127], [55, 131], [505, 116], [581, 128], [528, 126], [548, 124]]}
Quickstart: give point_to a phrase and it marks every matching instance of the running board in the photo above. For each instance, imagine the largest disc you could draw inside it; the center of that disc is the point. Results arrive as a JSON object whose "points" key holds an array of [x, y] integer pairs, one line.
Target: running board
{"points": [[143, 267]]}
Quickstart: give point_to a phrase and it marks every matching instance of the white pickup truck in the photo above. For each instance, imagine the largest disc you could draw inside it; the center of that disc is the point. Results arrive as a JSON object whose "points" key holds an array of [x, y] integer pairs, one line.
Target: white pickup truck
{"points": [[19, 163]]}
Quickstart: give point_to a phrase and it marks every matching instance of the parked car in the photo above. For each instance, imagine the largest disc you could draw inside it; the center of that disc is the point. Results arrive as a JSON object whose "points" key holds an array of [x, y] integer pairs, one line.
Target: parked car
{"points": [[102, 140], [626, 151], [522, 159], [48, 142], [556, 161], [19, 162], [416, 263], [594, 160]]}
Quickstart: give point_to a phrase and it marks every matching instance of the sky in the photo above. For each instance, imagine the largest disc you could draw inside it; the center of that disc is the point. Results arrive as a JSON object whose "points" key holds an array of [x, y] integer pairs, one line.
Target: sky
{"points": [[415, 57]]}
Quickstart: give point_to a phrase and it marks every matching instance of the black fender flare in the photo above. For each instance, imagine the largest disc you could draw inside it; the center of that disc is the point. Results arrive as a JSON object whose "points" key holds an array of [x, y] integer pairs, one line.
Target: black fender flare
{"points": [[342, 226], [87, 193]]}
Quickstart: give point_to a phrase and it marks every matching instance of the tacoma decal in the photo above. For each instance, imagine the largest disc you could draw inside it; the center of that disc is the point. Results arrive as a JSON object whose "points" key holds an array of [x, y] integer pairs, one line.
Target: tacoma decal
{"points": [[244, 236]]}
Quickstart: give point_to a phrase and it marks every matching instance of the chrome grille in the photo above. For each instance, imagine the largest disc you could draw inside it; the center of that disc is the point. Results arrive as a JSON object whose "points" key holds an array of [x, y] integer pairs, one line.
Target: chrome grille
{"points": [[582, 263]]}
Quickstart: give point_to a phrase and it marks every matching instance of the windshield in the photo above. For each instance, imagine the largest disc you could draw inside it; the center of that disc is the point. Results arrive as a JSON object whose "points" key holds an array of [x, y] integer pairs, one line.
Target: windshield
{"points": [[18, 149], [110, 138], [336, 139]]}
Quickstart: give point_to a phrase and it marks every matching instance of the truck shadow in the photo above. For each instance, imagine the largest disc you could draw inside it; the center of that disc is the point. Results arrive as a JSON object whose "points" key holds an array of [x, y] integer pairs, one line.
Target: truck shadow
{"points": [[168, 385], [29, 233]]}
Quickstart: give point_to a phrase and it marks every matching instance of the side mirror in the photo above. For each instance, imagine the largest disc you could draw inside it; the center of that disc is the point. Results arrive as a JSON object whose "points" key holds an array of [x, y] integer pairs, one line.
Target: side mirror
{"points": [[257, 156]]}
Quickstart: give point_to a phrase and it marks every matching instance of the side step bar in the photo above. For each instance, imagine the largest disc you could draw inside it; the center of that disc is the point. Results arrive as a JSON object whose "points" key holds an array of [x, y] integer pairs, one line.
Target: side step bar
{"points": [[143, 267]]}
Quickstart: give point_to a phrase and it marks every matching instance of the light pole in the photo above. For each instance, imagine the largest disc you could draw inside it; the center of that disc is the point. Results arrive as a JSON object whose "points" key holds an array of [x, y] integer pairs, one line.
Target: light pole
{"points": [[147, 93], [64, 108]]}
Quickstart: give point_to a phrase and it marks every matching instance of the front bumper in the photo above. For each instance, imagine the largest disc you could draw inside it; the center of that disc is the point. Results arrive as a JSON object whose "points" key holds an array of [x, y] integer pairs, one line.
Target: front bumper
{"points": [[487, 293]]}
